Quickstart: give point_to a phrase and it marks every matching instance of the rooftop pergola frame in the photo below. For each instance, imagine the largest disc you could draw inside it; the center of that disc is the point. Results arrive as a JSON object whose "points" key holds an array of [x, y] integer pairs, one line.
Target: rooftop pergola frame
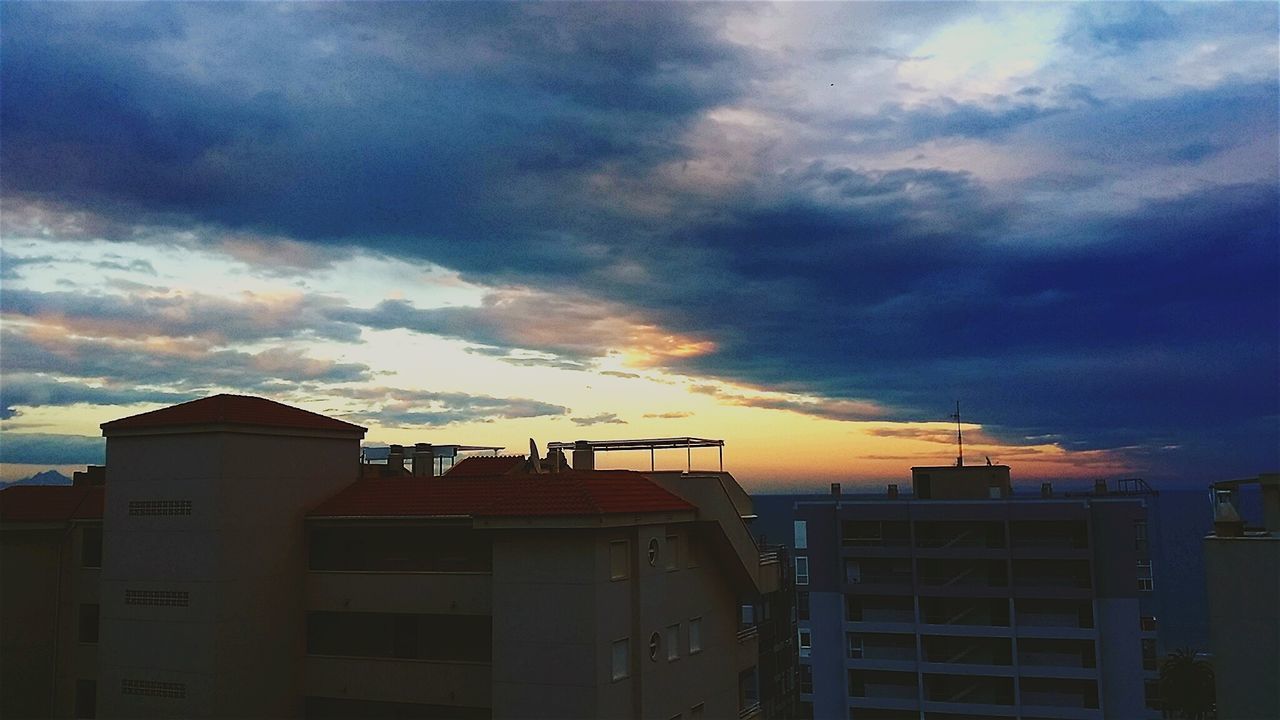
{"points": [[650, 444]]}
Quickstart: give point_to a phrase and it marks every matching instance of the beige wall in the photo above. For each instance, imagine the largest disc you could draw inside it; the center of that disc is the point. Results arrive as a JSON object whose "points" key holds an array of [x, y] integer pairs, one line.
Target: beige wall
{"points": [[1243, 576], [240, 555]]}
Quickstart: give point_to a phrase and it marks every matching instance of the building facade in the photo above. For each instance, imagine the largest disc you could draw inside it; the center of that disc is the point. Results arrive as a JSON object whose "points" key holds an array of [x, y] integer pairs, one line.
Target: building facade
{"points": [[964, 600], [251, 565], [1242, 569]]}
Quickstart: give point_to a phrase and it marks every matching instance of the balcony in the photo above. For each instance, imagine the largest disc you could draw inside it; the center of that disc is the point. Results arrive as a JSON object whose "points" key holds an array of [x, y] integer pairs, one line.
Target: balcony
{"points": [[402, 681], [464, 593]]}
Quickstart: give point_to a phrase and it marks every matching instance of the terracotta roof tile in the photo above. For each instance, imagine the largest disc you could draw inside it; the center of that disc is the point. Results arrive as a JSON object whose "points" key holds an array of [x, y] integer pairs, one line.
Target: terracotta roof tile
{"points": [[51, 503], [597, 492], [487, 465], [230, 410]]}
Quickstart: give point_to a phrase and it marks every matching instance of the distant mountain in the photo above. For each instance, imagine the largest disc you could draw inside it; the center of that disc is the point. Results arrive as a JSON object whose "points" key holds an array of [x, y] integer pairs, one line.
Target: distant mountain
{"points": [[48, 477]]}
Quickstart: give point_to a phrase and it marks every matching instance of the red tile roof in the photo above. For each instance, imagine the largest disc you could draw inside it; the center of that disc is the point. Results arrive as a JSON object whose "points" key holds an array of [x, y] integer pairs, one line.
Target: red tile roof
{"points": [[51, 503], [568, 493], [230, 410], [487, 465]]}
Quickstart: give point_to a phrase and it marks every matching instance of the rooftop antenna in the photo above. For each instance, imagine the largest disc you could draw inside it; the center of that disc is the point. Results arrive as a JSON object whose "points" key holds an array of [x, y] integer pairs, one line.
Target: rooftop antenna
{"points": [[534, 461], [959, 437]]}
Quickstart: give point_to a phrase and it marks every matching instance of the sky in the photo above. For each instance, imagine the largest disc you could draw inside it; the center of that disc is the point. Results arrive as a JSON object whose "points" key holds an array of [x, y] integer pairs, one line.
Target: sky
{"points": [[807, 229]]}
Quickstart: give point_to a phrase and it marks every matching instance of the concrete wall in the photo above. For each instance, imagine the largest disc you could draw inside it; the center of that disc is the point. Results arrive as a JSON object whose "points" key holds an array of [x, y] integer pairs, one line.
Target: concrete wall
{"points": [[240, 555], [1243, 575]]}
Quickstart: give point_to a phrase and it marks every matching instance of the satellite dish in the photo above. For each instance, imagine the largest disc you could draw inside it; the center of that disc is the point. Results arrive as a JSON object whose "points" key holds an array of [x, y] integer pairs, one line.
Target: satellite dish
{"points": [[534, 461]]}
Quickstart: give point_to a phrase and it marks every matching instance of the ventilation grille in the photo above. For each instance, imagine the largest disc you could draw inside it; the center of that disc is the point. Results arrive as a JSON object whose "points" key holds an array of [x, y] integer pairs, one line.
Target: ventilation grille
{"points": [[159, 507], [167, 598], [153, 688]]}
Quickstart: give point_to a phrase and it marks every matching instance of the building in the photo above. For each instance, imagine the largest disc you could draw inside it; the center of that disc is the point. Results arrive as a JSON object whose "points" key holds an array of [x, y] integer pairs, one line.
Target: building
{"points": [[1242, 569], [964, 599], [241, 560]]}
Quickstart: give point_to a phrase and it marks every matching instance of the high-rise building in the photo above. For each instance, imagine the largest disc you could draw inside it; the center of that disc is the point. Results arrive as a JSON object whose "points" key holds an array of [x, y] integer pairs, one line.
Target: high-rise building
{"points": [[241, 560], [965, 600], [1242, 569]]}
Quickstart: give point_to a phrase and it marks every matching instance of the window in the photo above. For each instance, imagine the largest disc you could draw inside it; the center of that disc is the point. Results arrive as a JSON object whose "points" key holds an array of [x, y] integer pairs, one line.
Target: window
{"points": [[86, 698], [697, 711], [806, 643], [748, 615], [802, 570], [91, 547], [802, 534], [1140, 535], [1146, 583], [1151, 692], [88, 623], [439, 637], [157, 598], [852, 571], [159, 507], [691, 550], [673, 642], [618, 557], [1149, 659], [802, 603], [655, 644], [653, 552], [1148, 623], [806, 682], [855, 647], [673, 552], [621, 658], [695, 635], [153, 688]]}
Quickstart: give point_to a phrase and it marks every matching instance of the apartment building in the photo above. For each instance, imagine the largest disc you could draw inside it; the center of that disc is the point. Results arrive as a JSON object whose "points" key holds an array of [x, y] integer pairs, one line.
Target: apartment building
{"points": [[964, 600], [252, 565], [1242, 569]]}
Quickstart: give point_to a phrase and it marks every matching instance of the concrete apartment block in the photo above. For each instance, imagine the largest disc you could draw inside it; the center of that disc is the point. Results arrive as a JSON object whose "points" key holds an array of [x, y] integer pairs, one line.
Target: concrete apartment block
{"points": [[973, 601], [252, 565]]}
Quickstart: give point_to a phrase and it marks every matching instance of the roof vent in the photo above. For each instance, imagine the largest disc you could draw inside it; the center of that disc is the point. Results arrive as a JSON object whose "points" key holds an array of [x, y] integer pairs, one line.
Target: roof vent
{"points": [[395, 460], [1226, 520], [893, 491], [1046, 489], [835, 489], [424, 460]]}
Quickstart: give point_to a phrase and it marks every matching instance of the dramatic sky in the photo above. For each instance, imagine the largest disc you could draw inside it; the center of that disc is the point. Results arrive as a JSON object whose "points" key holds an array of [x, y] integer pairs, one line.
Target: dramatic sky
{"points": [[807, 229]]}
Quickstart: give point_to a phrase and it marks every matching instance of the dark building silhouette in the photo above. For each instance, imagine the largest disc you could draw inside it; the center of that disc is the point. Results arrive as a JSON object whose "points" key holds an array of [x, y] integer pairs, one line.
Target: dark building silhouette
{"points": [[241, 560], [1242, 569]]}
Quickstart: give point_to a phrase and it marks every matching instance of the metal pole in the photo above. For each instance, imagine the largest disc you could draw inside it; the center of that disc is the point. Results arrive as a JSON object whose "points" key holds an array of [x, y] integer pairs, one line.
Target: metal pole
{"points": [[688, 448], [650, 459], [721, 458]]}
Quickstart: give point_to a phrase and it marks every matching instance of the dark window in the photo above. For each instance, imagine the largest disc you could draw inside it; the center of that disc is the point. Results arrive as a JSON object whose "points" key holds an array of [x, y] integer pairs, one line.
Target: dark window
{"points": [[91, 547], [86, 698], [387, 635], [1151, 689], [88, 623], [806, 679], [1149, 660], [802, 602], [1148, 623]]}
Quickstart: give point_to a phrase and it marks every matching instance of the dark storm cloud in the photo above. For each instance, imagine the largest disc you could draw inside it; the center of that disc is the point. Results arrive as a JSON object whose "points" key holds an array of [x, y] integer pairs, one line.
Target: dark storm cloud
{"points": [[31, 391], [499, 140]]}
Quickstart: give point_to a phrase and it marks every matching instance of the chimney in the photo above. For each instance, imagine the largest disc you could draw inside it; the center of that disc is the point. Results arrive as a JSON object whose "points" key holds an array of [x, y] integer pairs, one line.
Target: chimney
{"points": [[424, 460], [556, 460], [1099, 487], [835, 489], [1046, 489], [395, 460], [893, 491], [584, 458]]}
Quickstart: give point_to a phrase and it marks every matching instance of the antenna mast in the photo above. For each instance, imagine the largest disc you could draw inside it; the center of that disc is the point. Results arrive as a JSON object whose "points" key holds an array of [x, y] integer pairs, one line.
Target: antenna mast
{"points": [[959, 437]]}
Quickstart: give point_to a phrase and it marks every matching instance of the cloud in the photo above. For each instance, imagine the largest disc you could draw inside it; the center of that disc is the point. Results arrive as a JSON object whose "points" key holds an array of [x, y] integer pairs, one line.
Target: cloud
{"points": [[32, 391], [144, 314], [49, 449], [398, 407], [669, 415], [601, 419]]}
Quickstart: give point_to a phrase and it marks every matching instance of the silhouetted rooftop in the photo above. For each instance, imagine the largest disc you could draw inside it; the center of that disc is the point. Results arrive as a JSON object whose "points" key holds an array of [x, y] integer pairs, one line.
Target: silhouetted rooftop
{"points": [[230, 410]]}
